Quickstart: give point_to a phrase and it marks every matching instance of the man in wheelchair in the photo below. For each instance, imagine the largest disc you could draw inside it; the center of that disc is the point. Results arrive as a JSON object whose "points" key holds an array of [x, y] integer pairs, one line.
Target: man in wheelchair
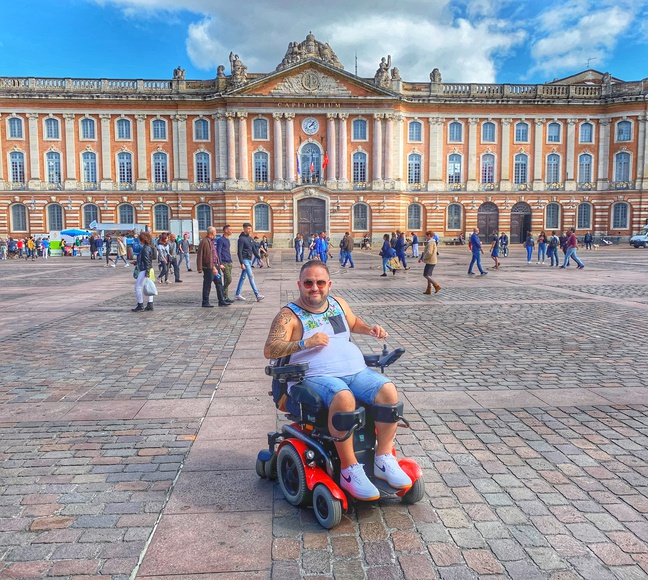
{"points": [[316, 329]]}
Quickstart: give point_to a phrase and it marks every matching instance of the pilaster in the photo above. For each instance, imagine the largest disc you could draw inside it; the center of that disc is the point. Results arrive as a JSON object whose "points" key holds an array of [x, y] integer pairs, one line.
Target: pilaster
{"points": [[538, 164], [278, 151], [180, 169], [398, 151], [435, 154], [220, 146], [570, 170], [343, 178], [231, 147], [243, 149], [291, 152], [2, 154], [106, 173], [142, 181], [642, 152], [377, 151], [505, 157], [602, 178], [471, 183], [331, 170], [34, 154]]}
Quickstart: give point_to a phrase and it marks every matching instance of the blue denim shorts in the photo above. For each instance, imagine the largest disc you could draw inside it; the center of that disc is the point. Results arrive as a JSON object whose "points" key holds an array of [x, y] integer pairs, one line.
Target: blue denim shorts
{"points": [[364, 385]]}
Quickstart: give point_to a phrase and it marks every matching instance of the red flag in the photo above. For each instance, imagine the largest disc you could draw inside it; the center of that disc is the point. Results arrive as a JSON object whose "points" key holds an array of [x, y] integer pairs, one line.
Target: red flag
{"points": [[326, 161]]}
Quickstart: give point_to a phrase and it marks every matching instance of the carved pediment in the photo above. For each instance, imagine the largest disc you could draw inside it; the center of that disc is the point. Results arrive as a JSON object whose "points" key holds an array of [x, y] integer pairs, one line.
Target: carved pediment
{"points": [[310, 82]]}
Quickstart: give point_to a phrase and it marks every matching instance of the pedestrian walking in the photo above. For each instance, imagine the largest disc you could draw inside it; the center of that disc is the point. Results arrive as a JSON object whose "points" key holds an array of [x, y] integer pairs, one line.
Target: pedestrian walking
{"points": [[415, 245], [174, 257], [108, 247], [504, 242], [528, 244], [553, 243], [299, 248], [225, 259], [588, 239], [311, 247], [571, 246], [121, 252], [347, 248], [45, 248], [542, 247], [208, 264], [494, 249], [183, 251], [263, 251], [99, 244], [429, 258], [475, 245], [322, 247], [163, 258], [31, 249], [144, 266], [387, 253], [400, 245], [247, 250]]}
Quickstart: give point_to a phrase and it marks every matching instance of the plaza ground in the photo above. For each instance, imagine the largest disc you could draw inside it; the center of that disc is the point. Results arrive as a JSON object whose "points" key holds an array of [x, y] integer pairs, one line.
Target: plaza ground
{"points": [[128, 441]]}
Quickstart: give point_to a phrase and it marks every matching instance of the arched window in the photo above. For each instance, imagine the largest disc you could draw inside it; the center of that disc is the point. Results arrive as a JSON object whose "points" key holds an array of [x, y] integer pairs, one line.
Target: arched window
{"points": [[201, 130], [126, 213], [17, 161], [359, 130], [202, 168], [455, 215], [488, 132], [414, 168], [585, 168], [161, 217], [90, 214], [360, 217], [87, 129], [18, 218], [414, 213], [552, 218], [624, 131], [620, 215], [520, 169], [54, 217], [455, 132], [522, 132], [53, 161], [160, 170], [359, 167], [89, 169], [261, 167], [159, 130], [310, 160], [553, 168], [553, 133], [260, 129], [415, 131], [622, 167], [488, 168], [587, 133], [52, 129], [125, 170], [204, 216], [15, 128], [261, 217], [584, 216], [454, 168], [123, 129]]}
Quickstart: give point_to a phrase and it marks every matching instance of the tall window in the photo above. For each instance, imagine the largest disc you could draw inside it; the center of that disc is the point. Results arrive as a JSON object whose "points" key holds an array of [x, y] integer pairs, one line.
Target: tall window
{"points": [[53, 161], [620, 216], [488, 132], [310, 161], [87, 129], [15, 128], [161, 217], [520, 169], [359, 167], [261, 217], [261, 167], [90, 214], [204, 216], [415, 131], [126, 214], [359, 130], [202, 168], [455, 132], [585, 168], [586, 133], [553, 133], [488, 168], [624, 131], [17, 161], [159, 130], [160, 169], [52, 129], [454, 216], [414, 221], [622, 167], [360, 217], [201, 130], [18, 218], [89, 161], [123, 129], [584, 216], [454, 168], [414, 168], [553, 168], [260, 129], [125, 168], [522, 132], [55, 217], [552, 219]]}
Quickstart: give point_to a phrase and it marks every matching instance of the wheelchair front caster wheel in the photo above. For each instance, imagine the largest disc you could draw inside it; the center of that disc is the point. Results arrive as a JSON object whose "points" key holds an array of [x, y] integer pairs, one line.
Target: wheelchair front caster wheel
{"points": [[415, 493], [328, 510], [260, 468], [292, 476], [271, 468]]}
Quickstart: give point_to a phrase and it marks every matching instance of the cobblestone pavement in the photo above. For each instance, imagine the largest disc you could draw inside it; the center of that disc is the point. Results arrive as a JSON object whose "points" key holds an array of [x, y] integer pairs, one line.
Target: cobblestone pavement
{"points": [[127, 442]]}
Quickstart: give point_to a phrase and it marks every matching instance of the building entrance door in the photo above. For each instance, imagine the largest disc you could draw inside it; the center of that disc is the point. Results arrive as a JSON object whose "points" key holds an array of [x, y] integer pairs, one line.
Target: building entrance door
{"points": [[311, 216], [520, 222], [487, 220]]}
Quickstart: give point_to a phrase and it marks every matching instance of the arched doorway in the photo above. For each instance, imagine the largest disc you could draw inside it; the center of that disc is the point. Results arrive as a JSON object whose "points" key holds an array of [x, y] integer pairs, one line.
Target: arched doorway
{"points": [[310, 163], [487, 219], [520, 222], [311, 216]]}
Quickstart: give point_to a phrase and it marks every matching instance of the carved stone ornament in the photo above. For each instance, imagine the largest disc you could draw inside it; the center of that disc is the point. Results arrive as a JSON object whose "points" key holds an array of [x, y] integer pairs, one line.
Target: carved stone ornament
{"points": [[310, 82], [309, 48]]}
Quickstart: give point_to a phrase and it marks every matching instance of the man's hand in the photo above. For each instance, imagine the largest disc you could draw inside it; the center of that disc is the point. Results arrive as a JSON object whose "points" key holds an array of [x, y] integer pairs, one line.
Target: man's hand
{"points": [[242, 266], [379, 332], [318, 339]]}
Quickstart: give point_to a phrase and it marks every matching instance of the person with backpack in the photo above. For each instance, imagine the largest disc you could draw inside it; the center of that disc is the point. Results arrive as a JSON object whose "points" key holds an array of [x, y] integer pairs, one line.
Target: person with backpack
{"points": [[346, 247], [552, 248], [528, 244]]}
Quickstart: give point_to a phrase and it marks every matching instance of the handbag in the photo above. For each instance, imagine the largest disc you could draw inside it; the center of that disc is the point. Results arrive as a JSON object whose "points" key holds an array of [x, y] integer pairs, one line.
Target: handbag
{"points": [[135, 272], [394, 263], [149, 288]]}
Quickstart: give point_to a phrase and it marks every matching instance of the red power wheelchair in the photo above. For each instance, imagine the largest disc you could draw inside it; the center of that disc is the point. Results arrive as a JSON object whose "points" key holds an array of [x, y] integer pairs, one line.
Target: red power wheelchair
{"points": [[302, 456]]}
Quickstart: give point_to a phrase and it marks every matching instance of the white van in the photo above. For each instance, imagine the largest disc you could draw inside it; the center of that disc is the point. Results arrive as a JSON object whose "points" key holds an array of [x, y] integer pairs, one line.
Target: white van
{"points": [[640, 239]]}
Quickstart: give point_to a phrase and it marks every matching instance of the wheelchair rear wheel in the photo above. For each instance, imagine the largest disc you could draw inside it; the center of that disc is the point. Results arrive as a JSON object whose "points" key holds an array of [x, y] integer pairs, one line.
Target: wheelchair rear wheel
{"points": [[328, 510], [415, 493], [292, 476]]}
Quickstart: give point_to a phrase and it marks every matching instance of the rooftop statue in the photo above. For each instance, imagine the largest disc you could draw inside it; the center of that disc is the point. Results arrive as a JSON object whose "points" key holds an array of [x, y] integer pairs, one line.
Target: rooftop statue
{"points": [[381, 78], [309, 48], [239, 70], [179, 74]]}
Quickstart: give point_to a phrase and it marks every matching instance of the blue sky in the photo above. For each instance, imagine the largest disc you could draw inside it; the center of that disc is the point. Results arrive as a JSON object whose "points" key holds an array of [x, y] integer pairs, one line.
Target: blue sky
{"points": [[505, 41]]}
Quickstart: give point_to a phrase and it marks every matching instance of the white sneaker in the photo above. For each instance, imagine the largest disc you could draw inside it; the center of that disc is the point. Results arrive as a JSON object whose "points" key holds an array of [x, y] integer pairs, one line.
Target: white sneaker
{"points": [[260, 297], [239, 297], [113, 265], [386, 468], [354, 480], [126, 265]]}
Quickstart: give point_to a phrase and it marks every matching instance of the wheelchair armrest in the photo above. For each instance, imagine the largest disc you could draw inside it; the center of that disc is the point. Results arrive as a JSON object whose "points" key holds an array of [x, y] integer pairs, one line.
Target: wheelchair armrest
{"points": [[371, 360], [346, 421], [287, 373], [390, 358]]}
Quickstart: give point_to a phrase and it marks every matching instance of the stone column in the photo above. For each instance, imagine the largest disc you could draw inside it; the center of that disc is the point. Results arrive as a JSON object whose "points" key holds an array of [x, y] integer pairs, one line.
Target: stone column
{"points": [[231, 147], [180, 169], [570, 170], [331, 170], [142, 164], [377, 151], [291, 153], [642, 153], [220, 146], [505, 157], [278, 152], [106, 165], [471, 183], [436, 180], [34, 153], [538, 164], [389, 145], [244, 162], [70, 154], [343, 178], [602, 177]]}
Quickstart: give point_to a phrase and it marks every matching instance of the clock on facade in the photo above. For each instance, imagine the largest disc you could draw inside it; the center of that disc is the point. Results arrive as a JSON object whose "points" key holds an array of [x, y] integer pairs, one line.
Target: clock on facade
{"points": [[310, 126]]}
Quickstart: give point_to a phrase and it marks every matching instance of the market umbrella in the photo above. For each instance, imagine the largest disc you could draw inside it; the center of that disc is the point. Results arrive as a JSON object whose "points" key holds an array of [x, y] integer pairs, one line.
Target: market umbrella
{"points": [[75, 232]]}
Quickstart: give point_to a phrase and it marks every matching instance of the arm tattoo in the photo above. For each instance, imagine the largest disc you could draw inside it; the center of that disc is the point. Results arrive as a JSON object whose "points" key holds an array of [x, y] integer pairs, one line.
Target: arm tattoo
{"points": [[278, 343]]}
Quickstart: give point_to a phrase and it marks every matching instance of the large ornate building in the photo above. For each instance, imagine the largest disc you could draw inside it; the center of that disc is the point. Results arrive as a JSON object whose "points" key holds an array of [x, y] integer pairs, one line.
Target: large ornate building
{"points": [[312, 147]]}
